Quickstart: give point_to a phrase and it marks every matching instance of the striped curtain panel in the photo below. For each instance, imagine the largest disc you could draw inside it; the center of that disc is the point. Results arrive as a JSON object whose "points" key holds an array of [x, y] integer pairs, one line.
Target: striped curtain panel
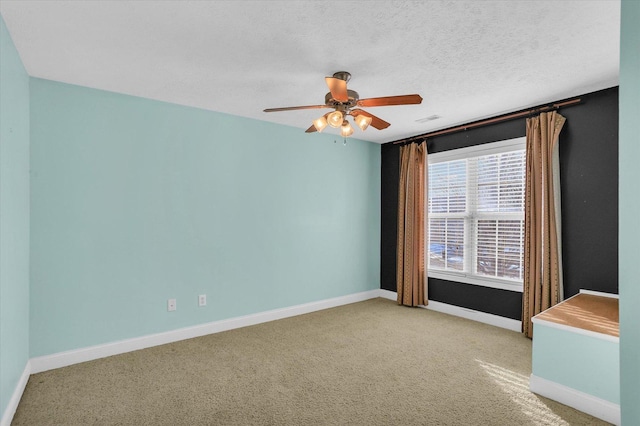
{"points": [[542, 246], [411, 268]]}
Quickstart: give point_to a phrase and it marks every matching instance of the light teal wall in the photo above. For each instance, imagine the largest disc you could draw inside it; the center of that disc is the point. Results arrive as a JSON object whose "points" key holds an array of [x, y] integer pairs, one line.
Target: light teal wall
{"points": [[629, 208], [14, 217], [136, 201], [580, 362]]}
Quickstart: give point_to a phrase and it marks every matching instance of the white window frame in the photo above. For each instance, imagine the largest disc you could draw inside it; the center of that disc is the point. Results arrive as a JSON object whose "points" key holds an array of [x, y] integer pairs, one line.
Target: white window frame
{"points": [[459, 154]]}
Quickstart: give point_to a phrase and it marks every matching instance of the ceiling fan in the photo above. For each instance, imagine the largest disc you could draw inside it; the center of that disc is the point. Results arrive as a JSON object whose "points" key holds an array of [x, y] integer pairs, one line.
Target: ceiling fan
{"points": [[344, 102]]}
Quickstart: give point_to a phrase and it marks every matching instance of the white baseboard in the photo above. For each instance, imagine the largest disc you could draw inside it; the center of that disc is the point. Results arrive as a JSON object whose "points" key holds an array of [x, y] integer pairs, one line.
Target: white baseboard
{"points": [[495, 320], [386, 294], [599, 293], [63, 359], [12, 406], [597, 407]]}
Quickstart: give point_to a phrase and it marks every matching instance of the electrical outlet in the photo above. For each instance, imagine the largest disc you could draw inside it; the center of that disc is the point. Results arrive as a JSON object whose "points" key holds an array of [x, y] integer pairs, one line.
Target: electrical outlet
{"points": [[171, 305], [202, 300]]}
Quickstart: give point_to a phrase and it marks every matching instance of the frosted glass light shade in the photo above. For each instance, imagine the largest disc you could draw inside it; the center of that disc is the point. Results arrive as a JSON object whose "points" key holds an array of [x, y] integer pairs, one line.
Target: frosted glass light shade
{"points": [[362, 121], [346, 130], [320, 123], [335, 119]]}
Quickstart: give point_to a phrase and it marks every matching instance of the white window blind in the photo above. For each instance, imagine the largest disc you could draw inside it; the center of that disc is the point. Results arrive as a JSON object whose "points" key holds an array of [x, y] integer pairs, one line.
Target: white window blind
{"points": [[476, 214]]}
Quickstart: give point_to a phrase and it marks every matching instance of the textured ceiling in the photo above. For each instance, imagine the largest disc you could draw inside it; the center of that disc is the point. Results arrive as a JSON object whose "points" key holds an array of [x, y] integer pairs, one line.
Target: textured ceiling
{"points": [[467, 59]]}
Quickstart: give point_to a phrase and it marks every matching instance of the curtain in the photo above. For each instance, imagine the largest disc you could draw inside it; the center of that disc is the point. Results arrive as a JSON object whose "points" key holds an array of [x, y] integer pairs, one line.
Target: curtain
{"points": [[542, 241], [411, 268]]}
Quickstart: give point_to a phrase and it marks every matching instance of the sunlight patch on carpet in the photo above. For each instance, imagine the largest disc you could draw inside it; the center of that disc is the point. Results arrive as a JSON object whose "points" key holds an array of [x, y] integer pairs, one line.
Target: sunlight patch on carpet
{"points": [[517, 387]]}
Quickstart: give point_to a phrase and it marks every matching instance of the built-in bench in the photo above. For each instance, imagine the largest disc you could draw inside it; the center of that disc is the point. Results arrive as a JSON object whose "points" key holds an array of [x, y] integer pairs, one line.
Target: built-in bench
{"points": [[576, 355]]}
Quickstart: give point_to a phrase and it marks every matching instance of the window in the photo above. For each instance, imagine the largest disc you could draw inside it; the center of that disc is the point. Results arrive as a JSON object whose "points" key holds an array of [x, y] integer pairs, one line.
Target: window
{"points": [[476, 214]]}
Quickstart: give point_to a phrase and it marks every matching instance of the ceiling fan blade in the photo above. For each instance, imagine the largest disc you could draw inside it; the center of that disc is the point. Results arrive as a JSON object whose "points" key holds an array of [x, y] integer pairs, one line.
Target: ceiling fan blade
{"points": [[376, 122], [338, 89], [390, 100], [295, 108]]}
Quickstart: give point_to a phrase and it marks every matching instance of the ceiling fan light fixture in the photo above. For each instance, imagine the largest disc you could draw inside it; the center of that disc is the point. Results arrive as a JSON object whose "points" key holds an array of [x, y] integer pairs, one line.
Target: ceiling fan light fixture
{"points": [[362, 121], [346, 130], [335, 119], [320, 123]]}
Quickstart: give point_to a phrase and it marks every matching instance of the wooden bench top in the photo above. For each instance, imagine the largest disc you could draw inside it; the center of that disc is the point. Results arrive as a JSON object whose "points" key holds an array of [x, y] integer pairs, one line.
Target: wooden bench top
{"points": [[588, 312]]}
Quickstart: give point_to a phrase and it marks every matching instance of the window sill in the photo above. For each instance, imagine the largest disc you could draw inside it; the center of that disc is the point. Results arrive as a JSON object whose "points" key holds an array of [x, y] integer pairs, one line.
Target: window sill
{"points": [[475, 280]]}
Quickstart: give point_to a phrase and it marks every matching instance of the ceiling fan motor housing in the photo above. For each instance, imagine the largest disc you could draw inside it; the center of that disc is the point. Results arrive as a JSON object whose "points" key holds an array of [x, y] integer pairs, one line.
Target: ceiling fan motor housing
{"points": [[352, 102]]}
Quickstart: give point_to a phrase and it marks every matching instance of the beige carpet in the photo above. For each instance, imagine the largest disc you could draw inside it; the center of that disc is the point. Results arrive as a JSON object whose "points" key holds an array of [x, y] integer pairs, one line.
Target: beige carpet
{"points": [[369, 363]]}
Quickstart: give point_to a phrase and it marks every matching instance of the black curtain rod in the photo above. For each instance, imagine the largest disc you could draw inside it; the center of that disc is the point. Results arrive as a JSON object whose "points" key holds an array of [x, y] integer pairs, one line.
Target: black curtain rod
{"points": [[494, 120]]}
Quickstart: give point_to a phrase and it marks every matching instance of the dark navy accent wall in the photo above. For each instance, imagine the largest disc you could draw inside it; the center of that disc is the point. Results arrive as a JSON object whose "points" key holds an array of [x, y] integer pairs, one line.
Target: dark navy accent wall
{"points": [[589, 191]]}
